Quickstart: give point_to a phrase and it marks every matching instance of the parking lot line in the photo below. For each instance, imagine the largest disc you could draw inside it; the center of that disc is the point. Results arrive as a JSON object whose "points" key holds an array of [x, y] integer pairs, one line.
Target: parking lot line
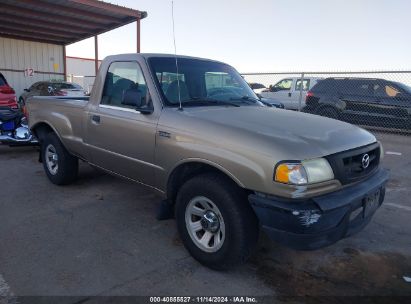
{"points": [[393, 153], [398, 206]]}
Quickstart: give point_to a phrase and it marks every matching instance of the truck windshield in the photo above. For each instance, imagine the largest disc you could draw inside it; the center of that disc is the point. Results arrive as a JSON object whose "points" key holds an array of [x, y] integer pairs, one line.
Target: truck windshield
{"points": [[200, 83]]}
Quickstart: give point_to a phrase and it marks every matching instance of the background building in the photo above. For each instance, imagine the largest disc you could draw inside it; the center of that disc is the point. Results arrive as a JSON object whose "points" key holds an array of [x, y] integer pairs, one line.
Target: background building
{"points": [[81, 71], [34, 35], [25, 62]]}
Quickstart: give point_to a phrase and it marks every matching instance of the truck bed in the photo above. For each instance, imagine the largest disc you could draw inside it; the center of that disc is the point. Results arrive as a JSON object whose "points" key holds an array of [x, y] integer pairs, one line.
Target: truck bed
{"points": [[67, 114]]}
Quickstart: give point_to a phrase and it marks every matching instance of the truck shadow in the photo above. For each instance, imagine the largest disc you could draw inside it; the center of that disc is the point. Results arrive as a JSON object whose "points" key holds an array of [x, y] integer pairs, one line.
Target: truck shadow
{"points": [[88, 174]]}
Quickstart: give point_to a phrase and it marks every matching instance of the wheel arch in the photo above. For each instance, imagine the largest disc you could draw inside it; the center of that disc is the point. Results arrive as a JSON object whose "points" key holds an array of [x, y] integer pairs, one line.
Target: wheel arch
{"points": [[327, 106], [189, 168], [41, 129]]}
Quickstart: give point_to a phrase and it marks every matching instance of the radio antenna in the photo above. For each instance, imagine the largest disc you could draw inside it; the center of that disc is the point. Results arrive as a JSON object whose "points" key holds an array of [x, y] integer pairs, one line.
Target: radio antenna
{"points": [[175, 55]]}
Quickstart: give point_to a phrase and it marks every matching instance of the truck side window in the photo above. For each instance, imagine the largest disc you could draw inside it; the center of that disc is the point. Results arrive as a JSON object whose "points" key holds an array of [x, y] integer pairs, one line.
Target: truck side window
{"points": [[306, 84], [121, 77], [282, 85]]}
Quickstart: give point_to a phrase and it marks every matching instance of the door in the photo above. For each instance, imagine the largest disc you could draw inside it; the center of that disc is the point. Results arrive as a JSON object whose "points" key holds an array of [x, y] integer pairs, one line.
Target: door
{"points": [[295, 95], [281, 92], [120, 138], [375, 102], [392, 105], [357, 100]]}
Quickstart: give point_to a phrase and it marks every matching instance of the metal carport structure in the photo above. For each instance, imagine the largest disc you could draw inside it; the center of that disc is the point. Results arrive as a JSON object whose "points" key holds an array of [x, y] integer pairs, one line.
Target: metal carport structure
{"points": [[63, 22]]}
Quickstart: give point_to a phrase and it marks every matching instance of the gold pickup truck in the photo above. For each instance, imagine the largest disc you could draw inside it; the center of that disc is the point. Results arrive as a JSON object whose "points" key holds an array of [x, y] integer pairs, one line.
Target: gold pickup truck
{"points": [[193, 130]]}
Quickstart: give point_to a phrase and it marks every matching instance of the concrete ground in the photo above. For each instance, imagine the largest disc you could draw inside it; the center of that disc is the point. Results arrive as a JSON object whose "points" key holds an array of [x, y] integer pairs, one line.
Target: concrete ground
{"points": [[100, 237]]}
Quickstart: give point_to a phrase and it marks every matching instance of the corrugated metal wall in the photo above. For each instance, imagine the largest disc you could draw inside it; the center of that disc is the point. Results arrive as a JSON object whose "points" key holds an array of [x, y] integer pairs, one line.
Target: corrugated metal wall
{"points": [[18, 55]]}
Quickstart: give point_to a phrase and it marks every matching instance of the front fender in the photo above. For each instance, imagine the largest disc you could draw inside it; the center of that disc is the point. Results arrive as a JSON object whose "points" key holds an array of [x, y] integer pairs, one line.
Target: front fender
{"points": [[206, 162], [247, 170]]}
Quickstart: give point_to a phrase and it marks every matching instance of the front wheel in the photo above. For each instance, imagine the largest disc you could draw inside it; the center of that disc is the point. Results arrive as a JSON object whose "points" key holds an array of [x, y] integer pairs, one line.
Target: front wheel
{"points": [[60, 166], [215, 221]]}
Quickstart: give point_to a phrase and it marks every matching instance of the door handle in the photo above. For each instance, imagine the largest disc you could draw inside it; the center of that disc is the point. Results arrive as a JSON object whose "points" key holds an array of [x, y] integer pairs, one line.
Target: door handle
{"points": [[289, 94], [95, 119]]}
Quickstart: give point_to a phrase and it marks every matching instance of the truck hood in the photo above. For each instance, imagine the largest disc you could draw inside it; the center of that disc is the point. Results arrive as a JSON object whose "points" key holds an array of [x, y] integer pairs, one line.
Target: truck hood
{"points": [[297, 135]]}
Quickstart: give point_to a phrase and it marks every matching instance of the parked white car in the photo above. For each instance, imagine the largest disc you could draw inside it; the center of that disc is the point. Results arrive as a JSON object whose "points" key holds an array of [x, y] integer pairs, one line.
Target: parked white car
{"points": [[287, 91]]}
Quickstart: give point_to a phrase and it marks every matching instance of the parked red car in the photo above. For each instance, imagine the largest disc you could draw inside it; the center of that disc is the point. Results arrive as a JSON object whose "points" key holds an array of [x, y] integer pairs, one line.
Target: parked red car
{"points": [[7, 94]]}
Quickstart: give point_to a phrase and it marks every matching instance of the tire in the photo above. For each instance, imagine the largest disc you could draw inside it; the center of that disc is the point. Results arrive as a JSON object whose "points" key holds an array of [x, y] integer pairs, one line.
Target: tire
{"points": [[217, 197], [63, 169], [328, 112]]}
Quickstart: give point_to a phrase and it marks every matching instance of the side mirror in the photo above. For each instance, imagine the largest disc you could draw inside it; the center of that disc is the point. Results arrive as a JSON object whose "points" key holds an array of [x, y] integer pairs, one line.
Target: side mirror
{"points": [[26, 90], [135, 98], [50, 89]]}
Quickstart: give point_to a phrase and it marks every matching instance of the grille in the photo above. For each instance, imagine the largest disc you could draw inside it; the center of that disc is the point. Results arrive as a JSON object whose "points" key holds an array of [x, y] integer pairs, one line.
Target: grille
{"points": [[348, 166]]}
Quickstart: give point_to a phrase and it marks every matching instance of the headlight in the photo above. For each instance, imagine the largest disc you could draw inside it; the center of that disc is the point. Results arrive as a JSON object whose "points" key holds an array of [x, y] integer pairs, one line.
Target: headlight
{"points": [[318, 170], [305, 172]]}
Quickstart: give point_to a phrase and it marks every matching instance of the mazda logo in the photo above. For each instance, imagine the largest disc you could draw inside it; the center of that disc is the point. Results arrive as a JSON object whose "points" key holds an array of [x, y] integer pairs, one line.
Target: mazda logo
{"points": [[365, 162]]}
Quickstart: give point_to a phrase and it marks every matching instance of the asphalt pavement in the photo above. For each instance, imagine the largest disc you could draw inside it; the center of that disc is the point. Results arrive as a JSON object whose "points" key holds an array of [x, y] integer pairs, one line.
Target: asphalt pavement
{"points": [[100, 237]]}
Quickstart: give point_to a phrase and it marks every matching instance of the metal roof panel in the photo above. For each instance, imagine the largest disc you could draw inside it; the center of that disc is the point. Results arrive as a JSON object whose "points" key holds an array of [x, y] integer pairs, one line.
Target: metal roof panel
{"points": [[47, 18]]}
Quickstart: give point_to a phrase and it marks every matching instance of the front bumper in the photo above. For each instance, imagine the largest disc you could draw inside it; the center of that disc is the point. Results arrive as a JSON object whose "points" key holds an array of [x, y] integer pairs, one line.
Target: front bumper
{"points": [[320, 221]]}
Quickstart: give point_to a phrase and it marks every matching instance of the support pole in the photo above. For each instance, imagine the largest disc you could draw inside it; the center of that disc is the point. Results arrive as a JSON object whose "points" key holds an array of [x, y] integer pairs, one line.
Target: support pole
{"points": [[300, 99], [138, 35], [64, 63], [96, 54]]}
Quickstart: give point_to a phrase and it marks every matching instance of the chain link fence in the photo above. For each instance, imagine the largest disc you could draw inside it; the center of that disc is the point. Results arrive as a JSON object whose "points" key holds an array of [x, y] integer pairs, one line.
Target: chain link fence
{"points": [[377, 100]]}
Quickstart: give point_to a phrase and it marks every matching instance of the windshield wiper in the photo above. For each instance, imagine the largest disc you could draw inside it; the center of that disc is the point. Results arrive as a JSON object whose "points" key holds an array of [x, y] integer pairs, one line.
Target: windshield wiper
{"points": [[245, 98], [199, 101]]}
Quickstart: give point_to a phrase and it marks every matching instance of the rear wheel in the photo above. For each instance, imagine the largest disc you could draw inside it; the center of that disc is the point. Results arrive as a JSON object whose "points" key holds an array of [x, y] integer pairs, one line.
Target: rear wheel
{"points": [[60, 166], [215, 221], [328, 112]]}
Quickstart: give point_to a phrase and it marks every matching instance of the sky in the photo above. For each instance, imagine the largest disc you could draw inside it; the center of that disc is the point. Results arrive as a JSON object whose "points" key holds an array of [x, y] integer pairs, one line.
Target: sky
{"points": [[270, 36]]}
